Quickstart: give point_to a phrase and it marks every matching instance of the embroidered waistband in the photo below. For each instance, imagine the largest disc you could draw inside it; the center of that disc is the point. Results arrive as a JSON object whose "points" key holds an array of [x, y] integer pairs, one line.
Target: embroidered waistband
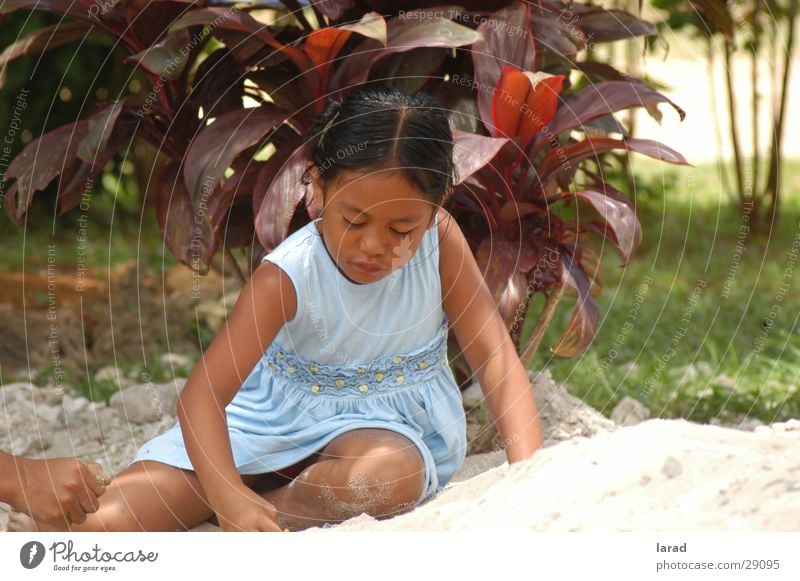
{"points": [[376, 376]]}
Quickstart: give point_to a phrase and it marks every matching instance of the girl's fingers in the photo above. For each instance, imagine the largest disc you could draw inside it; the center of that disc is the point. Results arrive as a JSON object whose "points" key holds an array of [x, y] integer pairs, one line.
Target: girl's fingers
{"points": [[89, 502], [76, 514], [97, 479]]}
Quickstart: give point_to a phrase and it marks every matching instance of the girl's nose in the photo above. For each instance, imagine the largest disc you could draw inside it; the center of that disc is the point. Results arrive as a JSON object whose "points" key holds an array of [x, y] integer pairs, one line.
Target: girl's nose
{"points": [[372, 243]]}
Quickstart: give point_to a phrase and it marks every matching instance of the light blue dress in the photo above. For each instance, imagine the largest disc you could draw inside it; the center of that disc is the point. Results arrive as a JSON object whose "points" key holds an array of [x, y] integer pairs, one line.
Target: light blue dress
{"points": [[354, 356]]}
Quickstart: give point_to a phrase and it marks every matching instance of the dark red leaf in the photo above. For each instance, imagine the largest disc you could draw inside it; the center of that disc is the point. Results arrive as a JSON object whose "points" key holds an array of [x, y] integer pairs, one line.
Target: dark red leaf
{"points": [[56, 153], [218, 144], [551, 36], [109, 130], [411, 74], [601, 25], [71, 8], [333, 9], [403, 34], [500, 260], [471, 152], [39, 162], [240, 20], [506, 39], [582, 327], [513, 211], [101, 126], [280, 201], [571, 156], [622, 226], [146, 20], [187, 228], [41, 40], [598, 100], [287, 90], [166, 58], [218, 85], [600, 71]]}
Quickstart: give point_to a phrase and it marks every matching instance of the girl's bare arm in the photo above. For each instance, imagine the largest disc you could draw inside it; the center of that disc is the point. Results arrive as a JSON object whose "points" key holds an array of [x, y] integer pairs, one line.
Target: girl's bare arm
{"points": [[487, 346], [266, 302]]}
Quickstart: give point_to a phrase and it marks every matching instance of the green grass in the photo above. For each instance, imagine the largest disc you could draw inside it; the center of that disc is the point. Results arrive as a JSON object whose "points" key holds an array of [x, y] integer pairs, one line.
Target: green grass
{"points": [[738, 355], [112, 229]]}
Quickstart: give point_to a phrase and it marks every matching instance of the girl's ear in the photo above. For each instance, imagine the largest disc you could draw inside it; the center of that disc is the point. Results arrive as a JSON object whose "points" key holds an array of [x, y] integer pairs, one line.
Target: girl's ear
{"points": [[315, 183]]}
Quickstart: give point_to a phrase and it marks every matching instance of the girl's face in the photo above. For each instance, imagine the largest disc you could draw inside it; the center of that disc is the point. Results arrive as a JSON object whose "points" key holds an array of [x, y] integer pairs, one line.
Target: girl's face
{"points": [[372, 224]]}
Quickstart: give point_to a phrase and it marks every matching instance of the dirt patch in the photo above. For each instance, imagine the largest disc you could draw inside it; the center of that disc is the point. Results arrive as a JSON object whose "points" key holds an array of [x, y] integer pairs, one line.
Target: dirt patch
{"points": [[50, 328]]}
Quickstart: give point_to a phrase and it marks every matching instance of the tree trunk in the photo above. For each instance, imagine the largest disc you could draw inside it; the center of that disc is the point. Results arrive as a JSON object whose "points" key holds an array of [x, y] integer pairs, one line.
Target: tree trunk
{"points": [[737, 152], [756, 47], [715, 112], [771, 190]]}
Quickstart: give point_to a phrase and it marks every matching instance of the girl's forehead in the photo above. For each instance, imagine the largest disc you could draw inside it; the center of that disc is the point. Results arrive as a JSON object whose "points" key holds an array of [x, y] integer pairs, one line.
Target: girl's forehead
{"points": [[380, 190]]}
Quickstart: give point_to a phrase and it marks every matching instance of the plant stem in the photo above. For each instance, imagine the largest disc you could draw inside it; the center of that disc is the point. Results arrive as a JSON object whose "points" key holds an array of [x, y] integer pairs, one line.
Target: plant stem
{"points": [[236, 268], [542, 323]]}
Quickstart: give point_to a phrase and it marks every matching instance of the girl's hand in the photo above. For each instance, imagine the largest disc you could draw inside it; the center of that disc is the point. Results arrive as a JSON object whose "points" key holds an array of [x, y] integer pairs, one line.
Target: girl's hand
{"points": [[242, 510], [59, 491]]}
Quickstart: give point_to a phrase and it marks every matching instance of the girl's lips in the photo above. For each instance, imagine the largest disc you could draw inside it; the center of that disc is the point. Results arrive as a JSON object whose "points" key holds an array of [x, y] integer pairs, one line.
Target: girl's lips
{"points": [[369, 268]]}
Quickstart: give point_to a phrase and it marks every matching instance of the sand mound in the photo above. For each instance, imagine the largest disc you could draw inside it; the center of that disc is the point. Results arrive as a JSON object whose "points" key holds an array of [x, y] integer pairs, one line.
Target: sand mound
{"points": [[660, 475]]}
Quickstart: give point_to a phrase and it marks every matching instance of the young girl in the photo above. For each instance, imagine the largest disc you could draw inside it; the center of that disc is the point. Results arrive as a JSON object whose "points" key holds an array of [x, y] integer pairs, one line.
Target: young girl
{"points": [[328, 392]]}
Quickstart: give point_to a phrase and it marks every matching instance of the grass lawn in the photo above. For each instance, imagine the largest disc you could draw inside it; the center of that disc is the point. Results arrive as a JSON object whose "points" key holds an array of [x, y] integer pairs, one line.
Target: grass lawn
{"points": [[702, 323]]}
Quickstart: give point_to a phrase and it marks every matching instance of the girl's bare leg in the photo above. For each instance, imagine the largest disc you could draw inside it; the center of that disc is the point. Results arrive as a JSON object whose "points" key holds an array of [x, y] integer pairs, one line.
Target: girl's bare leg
{"points": [[150, 496], [379, 472]]}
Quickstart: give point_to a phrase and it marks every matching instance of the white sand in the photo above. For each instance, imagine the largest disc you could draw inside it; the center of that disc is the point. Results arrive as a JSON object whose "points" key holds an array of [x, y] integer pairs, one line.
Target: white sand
{"points": [[660, 475]]}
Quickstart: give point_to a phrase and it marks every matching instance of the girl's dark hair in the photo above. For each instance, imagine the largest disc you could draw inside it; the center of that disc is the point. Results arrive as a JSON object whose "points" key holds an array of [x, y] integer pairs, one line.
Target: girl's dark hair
{"points": [[383, 128]]}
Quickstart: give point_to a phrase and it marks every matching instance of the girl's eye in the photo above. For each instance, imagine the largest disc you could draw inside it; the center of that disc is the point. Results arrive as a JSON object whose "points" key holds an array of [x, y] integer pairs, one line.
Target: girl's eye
{"points": [[349, 223], [354, 225]]}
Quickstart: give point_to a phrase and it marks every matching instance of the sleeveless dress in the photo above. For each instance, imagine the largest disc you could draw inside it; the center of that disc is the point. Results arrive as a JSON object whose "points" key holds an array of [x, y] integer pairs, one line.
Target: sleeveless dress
{"points": [[354, 356]]}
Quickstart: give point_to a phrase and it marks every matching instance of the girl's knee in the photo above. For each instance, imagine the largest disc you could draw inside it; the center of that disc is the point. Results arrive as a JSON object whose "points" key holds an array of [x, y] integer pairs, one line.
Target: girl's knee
{"points": [[379, 485]]}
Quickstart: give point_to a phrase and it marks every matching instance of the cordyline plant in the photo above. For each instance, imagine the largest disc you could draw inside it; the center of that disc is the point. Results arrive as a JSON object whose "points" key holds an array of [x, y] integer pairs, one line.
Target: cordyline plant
{"points": [[501, 69]]}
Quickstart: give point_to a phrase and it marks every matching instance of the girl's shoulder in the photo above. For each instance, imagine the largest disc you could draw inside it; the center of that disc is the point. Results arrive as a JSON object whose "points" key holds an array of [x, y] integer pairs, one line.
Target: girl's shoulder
{"points": [[292, 245]]}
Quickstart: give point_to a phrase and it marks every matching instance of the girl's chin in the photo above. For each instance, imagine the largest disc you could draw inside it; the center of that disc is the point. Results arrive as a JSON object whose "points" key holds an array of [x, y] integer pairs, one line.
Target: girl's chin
{"points": [[362, 276]]}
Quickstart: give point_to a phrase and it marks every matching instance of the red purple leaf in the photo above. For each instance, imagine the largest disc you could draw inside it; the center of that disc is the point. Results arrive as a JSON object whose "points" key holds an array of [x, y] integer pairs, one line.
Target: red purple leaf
{"points": [[506, 39], [620, 223], [242, 21], [582, 327], [324, 44], [601, 25], [57, 153], [218, 144], [571, 156], [471, 152], [41, 40], [39, 162], [403, 34], [101, 126], [187, 228], [500, 261], [280, 201], [166, 58], [600, 99], [333, 9]]}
